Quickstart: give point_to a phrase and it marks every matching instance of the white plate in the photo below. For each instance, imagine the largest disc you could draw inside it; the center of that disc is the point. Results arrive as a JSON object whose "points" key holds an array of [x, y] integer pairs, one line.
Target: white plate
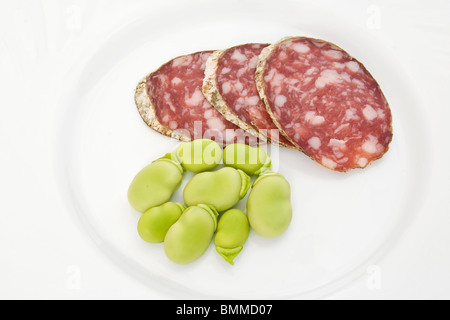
{"points": [[342, 222]]}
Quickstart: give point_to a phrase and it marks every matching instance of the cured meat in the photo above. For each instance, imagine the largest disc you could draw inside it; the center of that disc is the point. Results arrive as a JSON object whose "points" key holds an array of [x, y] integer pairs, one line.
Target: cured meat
{"points": [[325, 102], [170, 100], [229, 85]]}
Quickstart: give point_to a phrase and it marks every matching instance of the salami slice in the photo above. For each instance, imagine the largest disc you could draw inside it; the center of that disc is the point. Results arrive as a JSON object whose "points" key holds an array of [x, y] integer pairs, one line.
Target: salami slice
{"points": [[325, 102], [229, 85], [170, 100]]}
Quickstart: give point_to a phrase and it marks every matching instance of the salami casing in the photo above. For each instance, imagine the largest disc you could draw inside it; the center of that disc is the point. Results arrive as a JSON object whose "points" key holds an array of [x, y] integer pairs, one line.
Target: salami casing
{"points": [[229, 85], [170, 100], [325, 102]]}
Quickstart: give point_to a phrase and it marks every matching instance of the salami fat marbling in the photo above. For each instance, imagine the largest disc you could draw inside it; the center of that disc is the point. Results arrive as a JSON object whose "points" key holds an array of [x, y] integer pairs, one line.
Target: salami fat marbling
{"points": [[325, 102], [170, 100], [229, 85]]}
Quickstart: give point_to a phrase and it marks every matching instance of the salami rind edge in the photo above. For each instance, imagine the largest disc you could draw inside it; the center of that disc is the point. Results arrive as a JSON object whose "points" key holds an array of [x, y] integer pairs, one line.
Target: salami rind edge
{"points": [[232, 67], [212, 94], [147, 112], [170, 101], [259, 80]]}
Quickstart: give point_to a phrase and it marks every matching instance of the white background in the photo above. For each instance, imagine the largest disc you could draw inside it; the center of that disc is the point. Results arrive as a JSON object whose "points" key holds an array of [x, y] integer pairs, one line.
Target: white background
{"points": [[44, 251]]}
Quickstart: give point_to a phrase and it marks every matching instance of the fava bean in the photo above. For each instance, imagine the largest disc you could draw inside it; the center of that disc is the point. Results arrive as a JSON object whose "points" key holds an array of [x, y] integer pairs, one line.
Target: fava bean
{"points": [[189, 237], [221, 189], [199, 155], [232, 233], [269, 207], [249, 159], [155, 222], [155, 184]]}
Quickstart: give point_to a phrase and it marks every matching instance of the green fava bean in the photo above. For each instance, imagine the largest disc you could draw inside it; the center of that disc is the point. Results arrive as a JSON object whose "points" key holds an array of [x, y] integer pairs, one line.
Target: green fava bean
{"points": [[189, 237], [199, 155], [269, 207], [249, 159], [232, 233], [155, 222], [221, 189], [155, 184]]}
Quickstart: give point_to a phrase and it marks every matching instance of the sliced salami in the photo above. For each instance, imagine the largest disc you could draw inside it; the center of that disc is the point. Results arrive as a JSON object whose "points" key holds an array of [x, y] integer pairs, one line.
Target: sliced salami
{"points": [[229, 85], [325, 102], [170, 100]]}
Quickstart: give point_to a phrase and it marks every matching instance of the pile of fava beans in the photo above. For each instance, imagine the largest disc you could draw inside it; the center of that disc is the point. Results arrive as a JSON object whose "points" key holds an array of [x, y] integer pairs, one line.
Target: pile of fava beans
{"points": [[209, 197]]}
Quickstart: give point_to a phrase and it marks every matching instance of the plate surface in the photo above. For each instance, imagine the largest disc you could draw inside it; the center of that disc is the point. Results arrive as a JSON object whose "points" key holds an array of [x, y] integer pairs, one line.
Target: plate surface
{"points": [[342, 222]]}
